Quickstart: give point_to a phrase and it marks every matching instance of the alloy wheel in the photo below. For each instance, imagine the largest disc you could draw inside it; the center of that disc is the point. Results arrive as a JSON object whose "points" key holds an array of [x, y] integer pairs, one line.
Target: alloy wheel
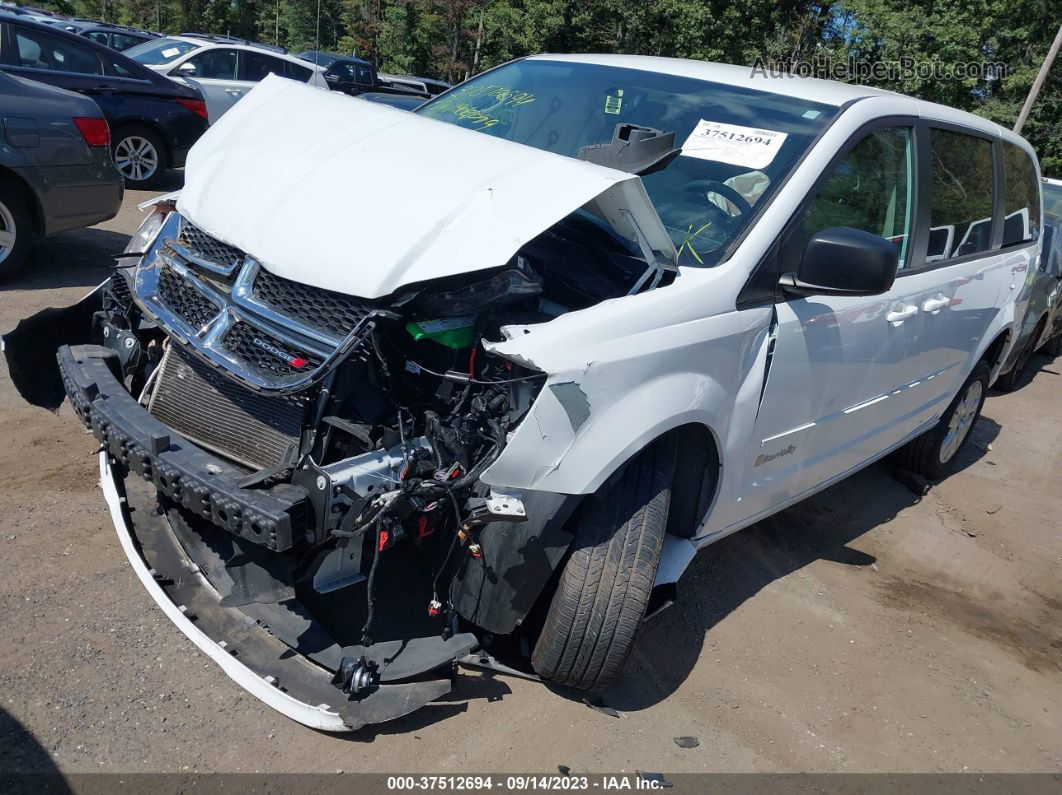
{"points": [[136, 158], [8, 232]]}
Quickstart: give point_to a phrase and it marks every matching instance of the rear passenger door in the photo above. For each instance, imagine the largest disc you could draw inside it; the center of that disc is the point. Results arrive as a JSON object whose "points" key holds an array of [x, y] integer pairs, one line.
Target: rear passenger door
{"points": [[255, 67], [961, 289], [214, 72], [34, 54]]}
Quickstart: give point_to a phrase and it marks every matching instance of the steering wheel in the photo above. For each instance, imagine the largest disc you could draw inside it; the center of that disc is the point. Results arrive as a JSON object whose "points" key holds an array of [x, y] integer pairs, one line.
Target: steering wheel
{"points": [[712, 186]]}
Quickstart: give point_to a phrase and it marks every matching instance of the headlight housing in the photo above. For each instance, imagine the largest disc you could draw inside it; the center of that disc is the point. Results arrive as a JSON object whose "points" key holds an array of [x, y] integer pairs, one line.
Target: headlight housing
{"points": [[149, 229]]}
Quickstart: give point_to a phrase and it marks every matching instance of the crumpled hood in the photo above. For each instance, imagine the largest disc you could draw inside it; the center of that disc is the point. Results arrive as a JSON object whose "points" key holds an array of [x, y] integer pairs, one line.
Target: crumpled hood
{"points": [[361, 198]]}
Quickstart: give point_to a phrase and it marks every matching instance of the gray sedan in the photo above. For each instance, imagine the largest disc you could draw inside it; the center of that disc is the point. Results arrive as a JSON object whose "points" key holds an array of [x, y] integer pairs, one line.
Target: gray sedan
{"points": [[56, 171]]}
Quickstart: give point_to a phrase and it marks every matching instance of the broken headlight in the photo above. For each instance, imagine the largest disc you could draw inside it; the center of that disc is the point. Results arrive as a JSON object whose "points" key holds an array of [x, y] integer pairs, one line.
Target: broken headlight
{"points": [[149, 229]]}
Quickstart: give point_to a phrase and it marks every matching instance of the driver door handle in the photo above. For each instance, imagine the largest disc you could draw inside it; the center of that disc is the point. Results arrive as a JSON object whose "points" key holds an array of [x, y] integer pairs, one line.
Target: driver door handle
{"points": [[935, 304], [898, 316]]}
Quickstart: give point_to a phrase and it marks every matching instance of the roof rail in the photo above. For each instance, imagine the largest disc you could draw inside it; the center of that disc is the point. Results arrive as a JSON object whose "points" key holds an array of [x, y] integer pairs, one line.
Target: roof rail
{"points": [[223, 39]]}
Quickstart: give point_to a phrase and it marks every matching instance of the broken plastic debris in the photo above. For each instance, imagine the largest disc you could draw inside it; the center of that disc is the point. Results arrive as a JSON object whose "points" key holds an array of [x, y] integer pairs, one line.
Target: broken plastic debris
{"points": [[603, 708]]}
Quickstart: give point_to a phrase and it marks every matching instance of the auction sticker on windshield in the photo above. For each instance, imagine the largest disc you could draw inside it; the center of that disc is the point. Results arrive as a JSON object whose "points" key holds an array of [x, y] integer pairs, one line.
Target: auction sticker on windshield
{"points": [[734, 144]]}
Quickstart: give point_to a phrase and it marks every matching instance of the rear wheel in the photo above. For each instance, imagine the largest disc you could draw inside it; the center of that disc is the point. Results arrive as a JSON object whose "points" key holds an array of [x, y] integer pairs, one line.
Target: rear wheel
{"points": [[606, 583], [933, 453], [1009, 381], [16, 231], [1053, 347], [140, 156]]}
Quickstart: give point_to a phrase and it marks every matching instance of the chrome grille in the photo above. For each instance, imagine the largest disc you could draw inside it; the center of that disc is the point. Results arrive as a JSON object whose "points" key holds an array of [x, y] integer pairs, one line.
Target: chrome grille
{"points": [[272, 334], [249, 344], [184, 300], [328, 311], [208, 248], [215, 412]]}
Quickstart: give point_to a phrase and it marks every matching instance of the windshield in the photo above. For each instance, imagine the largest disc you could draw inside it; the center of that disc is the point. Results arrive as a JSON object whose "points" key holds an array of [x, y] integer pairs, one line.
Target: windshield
{"points": [[737, 144], [159, 51], [1053, 201]]}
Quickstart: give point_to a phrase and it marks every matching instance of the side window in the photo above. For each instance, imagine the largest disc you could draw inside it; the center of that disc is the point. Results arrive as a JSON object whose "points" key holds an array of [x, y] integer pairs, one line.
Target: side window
{"points": [[254, 66], [296, 72], [119, 69], [870, 189], [123, 41], [219, 64], [363, 76], [99, 36], [37, 50], [1021, 197], [961, 203]]}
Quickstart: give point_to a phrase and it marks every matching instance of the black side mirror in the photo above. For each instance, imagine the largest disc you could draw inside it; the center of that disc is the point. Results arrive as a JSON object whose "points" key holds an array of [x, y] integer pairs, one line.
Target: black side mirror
{"points": [[844, 261]]}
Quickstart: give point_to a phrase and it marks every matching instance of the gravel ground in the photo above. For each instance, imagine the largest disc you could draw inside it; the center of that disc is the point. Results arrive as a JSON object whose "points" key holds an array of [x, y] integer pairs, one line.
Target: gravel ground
{"points": [[863, 630]]}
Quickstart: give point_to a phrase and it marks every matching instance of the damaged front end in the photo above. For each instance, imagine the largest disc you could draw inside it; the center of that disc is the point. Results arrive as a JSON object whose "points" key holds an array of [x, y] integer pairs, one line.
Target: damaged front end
{"points": [[316, 457], [310, 436]]}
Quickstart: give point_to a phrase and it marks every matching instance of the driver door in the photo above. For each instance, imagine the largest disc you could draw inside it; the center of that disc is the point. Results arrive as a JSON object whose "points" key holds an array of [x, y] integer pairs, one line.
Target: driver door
{"points": [[829, 402]]}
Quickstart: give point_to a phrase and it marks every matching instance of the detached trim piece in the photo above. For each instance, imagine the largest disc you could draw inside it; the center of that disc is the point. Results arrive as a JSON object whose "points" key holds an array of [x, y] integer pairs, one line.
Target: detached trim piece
{"points": [[316, 717]]}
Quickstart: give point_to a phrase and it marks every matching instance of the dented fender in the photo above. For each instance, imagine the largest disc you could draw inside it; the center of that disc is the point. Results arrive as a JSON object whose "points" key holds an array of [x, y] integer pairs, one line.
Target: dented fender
{"points": [[588, 420]]}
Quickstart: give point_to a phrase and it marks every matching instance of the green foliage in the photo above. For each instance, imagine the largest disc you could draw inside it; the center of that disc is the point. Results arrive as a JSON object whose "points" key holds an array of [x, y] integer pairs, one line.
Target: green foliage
{"points": [[452, 39]]}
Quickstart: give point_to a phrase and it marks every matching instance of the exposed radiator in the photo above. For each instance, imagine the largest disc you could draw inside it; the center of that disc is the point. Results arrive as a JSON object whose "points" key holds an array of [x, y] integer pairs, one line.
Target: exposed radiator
{"points": [[218, 414]]}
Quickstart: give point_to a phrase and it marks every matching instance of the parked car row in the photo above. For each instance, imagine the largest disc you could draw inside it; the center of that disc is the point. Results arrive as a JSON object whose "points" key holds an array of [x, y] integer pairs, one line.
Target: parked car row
{"points": [[157, 95], [154, 121], [117, 37]]}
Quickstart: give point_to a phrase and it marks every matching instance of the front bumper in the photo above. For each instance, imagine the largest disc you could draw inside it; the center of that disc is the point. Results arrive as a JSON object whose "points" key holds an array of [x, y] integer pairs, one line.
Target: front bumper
{"points": [[253, 643], [202, 483]]}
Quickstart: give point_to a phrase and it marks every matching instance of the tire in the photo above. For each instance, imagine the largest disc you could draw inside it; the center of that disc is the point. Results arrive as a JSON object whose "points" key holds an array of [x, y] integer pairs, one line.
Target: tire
{"points": [[605, 585], [1053, 347], [933, 453], [1010, 380], [140, 156], [16, 231]]}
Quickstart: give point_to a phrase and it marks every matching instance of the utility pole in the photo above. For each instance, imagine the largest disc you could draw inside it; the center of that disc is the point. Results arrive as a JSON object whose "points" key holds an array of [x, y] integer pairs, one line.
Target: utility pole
{"points": [[1038, 83]]}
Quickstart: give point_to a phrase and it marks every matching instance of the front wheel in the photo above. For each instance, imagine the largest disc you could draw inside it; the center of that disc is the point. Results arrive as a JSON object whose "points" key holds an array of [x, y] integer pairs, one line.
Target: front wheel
{"points": [[933, 453], [140, 156], [606, 583]]}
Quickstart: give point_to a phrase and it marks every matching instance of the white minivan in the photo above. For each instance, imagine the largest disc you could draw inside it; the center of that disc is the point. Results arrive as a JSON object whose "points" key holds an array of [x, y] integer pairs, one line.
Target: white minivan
{"points": [[411, 384]]}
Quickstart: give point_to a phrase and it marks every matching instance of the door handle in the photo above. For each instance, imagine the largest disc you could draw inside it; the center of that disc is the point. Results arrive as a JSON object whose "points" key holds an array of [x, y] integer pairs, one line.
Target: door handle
{"points": [[898, 316], [934, 305], [234, 92]]}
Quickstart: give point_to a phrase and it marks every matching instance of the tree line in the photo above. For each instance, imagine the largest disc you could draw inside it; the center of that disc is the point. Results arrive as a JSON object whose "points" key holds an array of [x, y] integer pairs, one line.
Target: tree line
{"points": [[453, 39]]}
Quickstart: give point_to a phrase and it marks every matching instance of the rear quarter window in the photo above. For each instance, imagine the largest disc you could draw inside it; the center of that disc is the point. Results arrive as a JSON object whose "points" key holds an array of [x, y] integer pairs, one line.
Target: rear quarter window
{"points": [[1021, 197]]}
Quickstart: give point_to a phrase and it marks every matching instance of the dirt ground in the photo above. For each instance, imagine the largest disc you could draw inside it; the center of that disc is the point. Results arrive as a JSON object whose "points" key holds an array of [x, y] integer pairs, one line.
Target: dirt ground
{"points": [[863, 630]]}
